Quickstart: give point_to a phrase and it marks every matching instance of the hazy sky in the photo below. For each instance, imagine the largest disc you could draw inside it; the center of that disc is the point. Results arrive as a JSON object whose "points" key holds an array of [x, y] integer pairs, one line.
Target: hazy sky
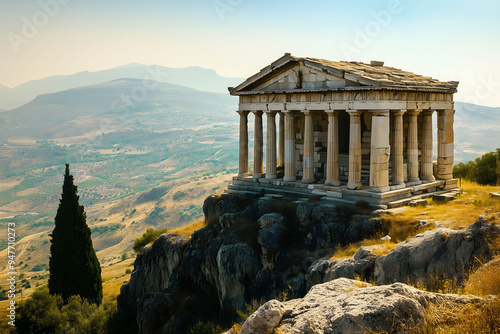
{"points": [[448, 40]]}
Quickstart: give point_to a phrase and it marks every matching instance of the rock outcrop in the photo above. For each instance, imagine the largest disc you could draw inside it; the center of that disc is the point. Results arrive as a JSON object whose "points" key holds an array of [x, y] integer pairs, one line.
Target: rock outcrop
{"points": [[360, 265], [436, 255], [349, 306], [429, 258], [153, 268]]}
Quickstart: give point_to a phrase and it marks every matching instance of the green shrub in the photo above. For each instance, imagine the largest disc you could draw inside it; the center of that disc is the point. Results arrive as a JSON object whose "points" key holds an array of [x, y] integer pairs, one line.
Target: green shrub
{"points": [[149, 236], [128, 271], [40, 267], [125, 256], [46, 313], [107, 228], [205, 327]]}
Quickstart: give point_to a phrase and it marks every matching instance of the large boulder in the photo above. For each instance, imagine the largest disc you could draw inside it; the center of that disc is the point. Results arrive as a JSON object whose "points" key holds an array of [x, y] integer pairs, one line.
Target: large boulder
{"points": [[349, 306], [265, 319], [152, 268], [360, 265], [437, 254]]}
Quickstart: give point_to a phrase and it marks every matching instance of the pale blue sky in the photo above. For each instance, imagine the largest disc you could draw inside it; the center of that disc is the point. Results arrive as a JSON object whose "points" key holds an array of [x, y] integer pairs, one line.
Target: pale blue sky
{"points": [[448, 40]]}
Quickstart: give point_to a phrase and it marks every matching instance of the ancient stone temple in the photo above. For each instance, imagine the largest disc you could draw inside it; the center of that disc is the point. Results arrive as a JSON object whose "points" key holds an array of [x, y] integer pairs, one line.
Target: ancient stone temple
{"points": [[345, 131]]}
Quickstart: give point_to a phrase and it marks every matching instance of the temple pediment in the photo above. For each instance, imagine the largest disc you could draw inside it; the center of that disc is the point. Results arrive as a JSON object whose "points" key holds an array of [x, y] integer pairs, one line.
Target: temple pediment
{"points": [[291, 74], [300, 77]]}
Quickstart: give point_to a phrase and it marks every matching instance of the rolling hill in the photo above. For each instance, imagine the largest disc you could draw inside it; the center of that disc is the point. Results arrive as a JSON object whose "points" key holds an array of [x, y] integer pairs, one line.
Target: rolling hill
{"points": [[117, 104], [193, 77]]}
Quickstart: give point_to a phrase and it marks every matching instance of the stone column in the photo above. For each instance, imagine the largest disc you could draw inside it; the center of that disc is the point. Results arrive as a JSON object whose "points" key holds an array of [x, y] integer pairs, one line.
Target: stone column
{"points": [[354, 181], [290, 173], [281, 147], [397, 147], [243, 167], [308, 168], [380, 151], [258, 153], [445, 144], [412, 146], [332, 153], [426, 169], [271, 145]]}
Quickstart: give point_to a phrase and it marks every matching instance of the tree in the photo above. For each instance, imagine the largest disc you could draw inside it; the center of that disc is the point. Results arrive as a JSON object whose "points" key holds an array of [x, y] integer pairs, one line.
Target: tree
{"points": [[484, 170], [74, 267]]}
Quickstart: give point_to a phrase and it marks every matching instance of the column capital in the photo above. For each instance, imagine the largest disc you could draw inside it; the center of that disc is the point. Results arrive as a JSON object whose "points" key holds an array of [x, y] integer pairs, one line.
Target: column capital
{"points": [[445, 111], [355, 112], [398, 112], [382, 112], [332, 112], [306, 112], [413, 112], [270, 112], [257, 112], [427, 112], [243, 112]]}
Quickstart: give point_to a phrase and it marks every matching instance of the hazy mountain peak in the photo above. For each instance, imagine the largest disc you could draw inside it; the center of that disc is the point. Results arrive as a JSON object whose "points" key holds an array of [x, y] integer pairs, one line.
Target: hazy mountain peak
{"points": [[194, 77], [129, 65]]}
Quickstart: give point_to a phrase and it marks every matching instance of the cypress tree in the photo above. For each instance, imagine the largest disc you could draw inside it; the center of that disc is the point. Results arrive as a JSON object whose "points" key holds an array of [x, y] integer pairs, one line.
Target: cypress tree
{"points": [[74, 267]]}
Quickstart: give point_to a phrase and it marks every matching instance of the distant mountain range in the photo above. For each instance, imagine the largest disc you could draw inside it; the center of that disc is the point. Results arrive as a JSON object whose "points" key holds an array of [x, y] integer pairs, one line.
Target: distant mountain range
{"points": [[477, 130], [193, 77], [76, 111]]}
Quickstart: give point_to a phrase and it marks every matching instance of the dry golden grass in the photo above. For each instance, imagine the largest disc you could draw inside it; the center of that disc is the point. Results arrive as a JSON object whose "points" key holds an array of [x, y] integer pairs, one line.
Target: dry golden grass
{"points": [[486, 280], [187, 230], [473, 202], [478, 317], [473, 318], [347, 251]]}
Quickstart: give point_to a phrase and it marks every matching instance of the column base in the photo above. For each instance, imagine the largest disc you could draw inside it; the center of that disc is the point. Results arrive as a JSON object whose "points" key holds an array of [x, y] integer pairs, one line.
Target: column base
{"points": [[413, 182], [244, 174], [289, 178], [354, 185], [271, 176], [309, 180], [398, 185], [429, 178], [380, 189], [257, 175], [333, 183]]}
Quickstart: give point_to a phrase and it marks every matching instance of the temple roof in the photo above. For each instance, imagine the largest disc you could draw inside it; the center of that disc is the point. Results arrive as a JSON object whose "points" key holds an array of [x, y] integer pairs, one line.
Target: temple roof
{"points": [[356, 75]]}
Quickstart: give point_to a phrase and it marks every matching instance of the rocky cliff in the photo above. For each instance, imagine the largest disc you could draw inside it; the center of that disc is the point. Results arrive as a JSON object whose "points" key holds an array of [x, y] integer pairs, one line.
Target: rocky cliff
{"points": [[252, 248], [258, 247]]}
